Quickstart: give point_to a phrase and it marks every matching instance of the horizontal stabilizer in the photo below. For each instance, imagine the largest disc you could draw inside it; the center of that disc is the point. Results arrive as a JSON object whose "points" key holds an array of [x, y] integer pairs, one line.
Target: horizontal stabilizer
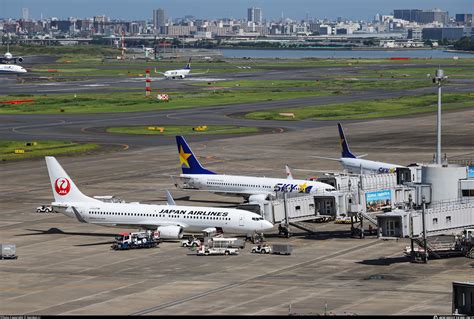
{"points": [[326, 158]]}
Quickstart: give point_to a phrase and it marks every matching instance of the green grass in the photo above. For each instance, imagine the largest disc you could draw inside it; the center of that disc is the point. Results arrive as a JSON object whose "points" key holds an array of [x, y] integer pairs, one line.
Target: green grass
{"points": [[41, 149], [350, 83], [466, 71], [136, 101], [371, 109], [183, 130]]}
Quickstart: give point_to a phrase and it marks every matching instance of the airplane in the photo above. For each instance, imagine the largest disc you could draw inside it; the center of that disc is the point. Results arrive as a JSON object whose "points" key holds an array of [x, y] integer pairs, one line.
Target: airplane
{"points": [[169, 220], [355, 164], [181, 73], [251, 188], [11, 69], [8, 57]]}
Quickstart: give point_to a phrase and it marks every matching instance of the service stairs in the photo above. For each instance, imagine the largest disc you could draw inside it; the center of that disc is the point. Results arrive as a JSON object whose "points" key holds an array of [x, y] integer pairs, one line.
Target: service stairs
{"points": [[308, 227], [369, 217], [436, 244]]}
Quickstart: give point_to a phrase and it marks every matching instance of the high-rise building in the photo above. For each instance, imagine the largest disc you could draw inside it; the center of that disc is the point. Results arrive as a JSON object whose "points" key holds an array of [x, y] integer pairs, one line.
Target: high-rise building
{"points": [[254, 15], [25, 13], [422, 16], [158, 18]]}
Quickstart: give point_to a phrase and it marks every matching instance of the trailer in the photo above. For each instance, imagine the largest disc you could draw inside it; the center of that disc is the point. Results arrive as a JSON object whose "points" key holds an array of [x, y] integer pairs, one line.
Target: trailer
{"points": [[282, 249], [8, 251], [204, 250], [145, 239]]}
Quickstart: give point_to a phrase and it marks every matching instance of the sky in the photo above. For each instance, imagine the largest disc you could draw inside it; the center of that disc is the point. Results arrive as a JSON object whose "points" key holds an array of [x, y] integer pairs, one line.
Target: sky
{"points": [[210, 9]]}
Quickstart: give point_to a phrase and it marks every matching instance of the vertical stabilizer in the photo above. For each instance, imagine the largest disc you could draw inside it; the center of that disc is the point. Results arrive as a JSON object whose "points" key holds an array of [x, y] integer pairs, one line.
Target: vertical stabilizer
{"points": [[188, 161], [64, 189], [346, 152]]}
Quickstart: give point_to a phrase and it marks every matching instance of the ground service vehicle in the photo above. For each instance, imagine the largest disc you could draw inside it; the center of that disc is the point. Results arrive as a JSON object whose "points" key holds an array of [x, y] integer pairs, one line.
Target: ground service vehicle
{"points": [[8, 251], [262, 249], [223, 242], [191, 242], [206, 251], [282, 249], [146, 239]]}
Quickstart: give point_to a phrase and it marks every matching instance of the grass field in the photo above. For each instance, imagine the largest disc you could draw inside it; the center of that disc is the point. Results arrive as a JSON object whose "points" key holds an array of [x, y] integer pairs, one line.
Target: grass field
{"points": [[42, 148], [371, 109], [136, 101], [183, 130], [330, 85]]}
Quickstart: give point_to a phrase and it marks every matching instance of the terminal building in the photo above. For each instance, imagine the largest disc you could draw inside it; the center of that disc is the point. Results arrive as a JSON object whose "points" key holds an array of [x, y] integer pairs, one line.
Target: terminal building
{"points": [[392, 202]]}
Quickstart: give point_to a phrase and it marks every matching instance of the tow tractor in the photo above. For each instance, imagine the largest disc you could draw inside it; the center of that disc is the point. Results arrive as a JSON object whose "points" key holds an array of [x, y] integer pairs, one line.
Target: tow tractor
{"points": [[191, 242], [144, 239]]}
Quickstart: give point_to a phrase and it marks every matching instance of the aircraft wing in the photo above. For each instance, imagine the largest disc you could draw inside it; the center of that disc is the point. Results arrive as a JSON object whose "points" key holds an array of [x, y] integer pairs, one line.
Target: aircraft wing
{"points": [[326, 158], [363, 155], [316, 170]]}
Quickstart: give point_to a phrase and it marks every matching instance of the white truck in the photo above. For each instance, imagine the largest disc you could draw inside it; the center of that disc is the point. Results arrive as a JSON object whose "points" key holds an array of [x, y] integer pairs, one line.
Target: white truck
{"points": [[280, 249], [204, 250], [262, 249], [191, 242]]}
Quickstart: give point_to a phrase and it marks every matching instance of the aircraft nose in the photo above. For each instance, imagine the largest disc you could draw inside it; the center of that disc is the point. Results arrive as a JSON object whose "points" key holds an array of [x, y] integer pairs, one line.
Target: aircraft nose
{"points": [[266, 225]]}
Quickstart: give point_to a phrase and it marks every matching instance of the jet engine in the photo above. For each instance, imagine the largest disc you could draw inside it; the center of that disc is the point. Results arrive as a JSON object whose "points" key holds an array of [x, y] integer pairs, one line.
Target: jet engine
{"points": [[170, 232], [20, 59], [258, 198]]}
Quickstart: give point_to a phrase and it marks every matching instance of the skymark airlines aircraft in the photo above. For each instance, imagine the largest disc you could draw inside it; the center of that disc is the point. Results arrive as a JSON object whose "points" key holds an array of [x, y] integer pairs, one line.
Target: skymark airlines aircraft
{"points": [[11, 69], [169, 220], [181, 73], [355, 164], [249, 187]]}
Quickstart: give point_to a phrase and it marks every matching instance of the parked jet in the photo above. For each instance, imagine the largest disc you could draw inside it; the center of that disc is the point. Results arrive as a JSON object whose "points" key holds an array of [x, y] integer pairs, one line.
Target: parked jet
{"points": [[8, 57], [355, 164], [251, 188], [169, 220], [181, 73], [11, 69]]}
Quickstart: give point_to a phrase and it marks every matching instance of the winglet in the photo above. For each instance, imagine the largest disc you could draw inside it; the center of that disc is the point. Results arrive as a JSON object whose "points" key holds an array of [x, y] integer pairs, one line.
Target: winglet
{"points": [[346, 152], [169, 199], [288, 173]]}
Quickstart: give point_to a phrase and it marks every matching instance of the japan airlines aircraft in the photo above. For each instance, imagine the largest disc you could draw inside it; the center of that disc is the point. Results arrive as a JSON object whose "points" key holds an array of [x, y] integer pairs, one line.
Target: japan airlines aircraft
{"points": [[11, 69], [181, 73], [251, 188], [355, 164], [169, 220], [8, 57]]}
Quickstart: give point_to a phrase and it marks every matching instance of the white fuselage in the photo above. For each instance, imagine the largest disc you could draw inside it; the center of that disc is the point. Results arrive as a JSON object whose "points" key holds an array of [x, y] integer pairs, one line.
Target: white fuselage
{"points": [[11, 69], [355, 165], [248, 185], [192, 219], [177, 73]]}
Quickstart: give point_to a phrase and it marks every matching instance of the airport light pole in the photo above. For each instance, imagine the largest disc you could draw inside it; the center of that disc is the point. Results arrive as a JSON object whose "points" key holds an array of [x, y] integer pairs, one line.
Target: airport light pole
{"points": [[438, 79]]}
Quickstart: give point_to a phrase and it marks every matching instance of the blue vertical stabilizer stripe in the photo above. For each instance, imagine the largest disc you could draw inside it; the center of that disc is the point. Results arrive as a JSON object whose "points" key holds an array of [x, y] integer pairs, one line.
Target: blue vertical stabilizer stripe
{"points": [[346, 152], [188, 161]]}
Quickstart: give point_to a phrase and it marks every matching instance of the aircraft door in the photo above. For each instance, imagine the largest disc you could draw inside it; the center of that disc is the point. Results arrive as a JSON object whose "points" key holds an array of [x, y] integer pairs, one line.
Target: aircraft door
{"points": [[241, 220]]}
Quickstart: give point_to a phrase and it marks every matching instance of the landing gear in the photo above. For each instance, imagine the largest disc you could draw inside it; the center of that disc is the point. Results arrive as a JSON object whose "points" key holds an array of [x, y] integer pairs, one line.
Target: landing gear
{"points": [[255, 238], [283, 231]]}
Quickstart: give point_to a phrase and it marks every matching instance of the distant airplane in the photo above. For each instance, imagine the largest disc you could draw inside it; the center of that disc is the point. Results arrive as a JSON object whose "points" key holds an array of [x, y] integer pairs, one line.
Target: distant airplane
{"points": [[251, 188], [355, 164], [169, 220], [147, 49], [181, 73], [11, 69], [8, 57]]}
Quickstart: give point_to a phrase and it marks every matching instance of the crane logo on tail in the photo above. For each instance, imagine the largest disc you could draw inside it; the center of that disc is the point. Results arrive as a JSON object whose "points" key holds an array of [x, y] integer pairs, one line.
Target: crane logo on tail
{"points": [[62, 186]]}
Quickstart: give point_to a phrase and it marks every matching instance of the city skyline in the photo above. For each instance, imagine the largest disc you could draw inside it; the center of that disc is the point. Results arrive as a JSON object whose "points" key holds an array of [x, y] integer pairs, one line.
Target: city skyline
{"points": [[213, 9]]}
